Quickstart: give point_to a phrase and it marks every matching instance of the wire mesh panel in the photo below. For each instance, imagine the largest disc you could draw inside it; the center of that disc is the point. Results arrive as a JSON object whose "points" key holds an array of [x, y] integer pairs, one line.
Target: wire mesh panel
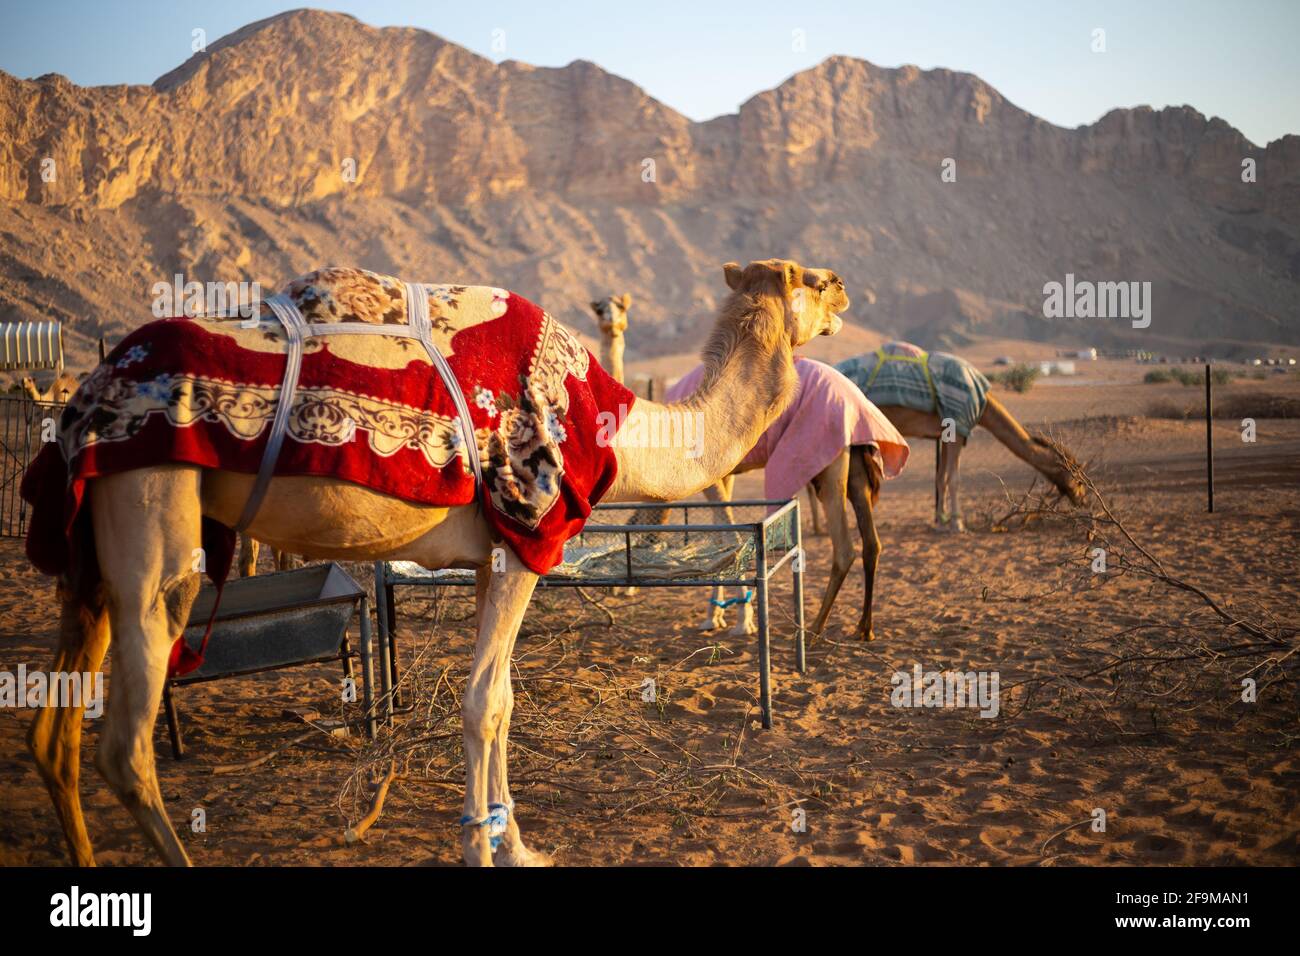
{"points": [[685, 544], [24, 424]]}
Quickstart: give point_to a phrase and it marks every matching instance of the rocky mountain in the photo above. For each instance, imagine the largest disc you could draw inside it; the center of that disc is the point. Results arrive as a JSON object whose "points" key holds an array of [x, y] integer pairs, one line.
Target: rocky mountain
{"points": [[311, 139]]}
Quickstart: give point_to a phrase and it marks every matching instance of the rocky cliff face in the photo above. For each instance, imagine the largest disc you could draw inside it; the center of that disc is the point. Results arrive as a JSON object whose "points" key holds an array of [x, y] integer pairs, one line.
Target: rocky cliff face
{"points": [[311, 139]]}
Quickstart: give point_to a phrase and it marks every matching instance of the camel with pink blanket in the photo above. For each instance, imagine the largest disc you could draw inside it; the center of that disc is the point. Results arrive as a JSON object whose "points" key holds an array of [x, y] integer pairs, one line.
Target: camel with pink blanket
{"points": [[832, 436]]}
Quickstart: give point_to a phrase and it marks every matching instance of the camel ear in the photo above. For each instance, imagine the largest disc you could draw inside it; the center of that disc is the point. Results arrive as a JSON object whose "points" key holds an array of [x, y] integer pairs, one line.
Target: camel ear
{"points": [[813, 281], [627, 301], [595, 307], [792, 274], [731, 272]]}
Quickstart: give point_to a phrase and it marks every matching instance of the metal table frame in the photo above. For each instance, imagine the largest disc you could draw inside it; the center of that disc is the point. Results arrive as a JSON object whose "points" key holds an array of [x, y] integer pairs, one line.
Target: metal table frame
{"points": [[346, 655], [386, 580]]}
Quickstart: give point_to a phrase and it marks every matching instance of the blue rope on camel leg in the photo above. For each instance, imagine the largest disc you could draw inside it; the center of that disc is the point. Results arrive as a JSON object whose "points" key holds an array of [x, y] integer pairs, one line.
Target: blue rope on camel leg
{"points": [[496, 822], [730, 601]]}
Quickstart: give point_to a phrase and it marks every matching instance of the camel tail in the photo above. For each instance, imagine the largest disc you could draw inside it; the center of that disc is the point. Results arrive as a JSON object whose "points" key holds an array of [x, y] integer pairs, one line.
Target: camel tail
{"points": [[871, 467]]}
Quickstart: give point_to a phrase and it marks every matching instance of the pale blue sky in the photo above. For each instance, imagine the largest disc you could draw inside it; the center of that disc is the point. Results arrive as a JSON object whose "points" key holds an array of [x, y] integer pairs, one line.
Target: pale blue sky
{"points": [[1235, 60]]}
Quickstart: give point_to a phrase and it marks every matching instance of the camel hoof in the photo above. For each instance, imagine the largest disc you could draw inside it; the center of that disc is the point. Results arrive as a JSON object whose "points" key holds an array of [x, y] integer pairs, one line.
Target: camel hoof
{"points": [[522, 856], [867, 635]]}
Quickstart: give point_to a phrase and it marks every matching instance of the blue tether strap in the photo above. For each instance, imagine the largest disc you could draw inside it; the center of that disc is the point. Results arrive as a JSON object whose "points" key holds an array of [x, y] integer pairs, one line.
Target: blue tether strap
{"points": [[730, 601]]}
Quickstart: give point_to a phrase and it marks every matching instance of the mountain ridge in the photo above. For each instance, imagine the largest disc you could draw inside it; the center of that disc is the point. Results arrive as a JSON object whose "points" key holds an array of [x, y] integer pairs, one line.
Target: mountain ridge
{"points": [[234, 165]]}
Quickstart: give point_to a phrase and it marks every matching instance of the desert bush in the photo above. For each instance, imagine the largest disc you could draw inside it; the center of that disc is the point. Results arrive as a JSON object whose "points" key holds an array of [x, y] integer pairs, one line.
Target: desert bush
{"points": [[1187, 377], [1018, 378], [1234, 407]]}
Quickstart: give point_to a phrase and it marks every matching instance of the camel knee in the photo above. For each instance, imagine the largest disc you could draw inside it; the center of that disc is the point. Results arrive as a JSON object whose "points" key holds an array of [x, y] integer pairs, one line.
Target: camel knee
{"points": [[178, 599], [483, 713], [43, 744], [871, 549], [127, 770]]}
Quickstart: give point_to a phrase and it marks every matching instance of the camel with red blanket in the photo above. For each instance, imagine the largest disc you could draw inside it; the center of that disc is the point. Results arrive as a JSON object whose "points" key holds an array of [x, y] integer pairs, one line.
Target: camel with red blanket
{"points": [[162, 454], [832, 438]]}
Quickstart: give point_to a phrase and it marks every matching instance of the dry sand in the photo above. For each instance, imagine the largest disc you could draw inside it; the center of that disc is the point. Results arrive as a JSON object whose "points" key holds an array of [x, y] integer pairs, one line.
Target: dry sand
{"points": [[601, 777]]}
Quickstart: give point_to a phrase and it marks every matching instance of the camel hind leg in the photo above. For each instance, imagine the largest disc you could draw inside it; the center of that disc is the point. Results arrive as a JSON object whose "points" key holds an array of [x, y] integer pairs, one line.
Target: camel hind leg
{"points": [[865, 479], [832, 489], [150, 581], [55, 735]]}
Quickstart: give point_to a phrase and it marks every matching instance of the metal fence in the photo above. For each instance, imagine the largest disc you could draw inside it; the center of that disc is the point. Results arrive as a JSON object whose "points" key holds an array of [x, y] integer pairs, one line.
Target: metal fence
{"points": [[23, 427]]}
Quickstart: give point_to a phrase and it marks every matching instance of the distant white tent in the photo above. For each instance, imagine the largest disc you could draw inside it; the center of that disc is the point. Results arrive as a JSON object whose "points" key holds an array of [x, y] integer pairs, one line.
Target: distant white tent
{"points": [[31, 345]]}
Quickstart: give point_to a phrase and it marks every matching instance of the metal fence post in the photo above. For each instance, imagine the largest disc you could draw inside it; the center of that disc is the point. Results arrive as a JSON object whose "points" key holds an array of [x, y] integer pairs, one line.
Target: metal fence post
{"points": [[764, 642]]}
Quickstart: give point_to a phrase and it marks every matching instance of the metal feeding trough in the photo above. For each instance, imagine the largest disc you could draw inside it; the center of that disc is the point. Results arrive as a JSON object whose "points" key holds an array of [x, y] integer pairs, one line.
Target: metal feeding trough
{"points": [[273, 621]]}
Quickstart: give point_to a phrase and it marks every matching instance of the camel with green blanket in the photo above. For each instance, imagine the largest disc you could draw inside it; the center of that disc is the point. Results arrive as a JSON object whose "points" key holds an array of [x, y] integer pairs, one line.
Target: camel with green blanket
{"points": [[940, 396]]}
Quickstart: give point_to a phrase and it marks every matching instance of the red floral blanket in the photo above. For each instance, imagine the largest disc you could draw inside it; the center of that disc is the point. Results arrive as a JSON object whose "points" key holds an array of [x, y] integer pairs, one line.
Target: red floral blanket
{"points": [[369, 409]]}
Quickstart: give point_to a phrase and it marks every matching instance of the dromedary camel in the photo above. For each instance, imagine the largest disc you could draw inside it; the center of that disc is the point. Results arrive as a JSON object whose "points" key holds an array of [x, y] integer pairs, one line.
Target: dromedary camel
{"points": [[611, 316], [149, 583], [947, 410], [59, 391], [832, 435]]}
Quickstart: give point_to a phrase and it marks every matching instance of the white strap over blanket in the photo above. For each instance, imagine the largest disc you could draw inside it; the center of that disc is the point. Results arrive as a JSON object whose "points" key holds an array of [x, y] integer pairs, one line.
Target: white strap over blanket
{"points": [[298, 330]]}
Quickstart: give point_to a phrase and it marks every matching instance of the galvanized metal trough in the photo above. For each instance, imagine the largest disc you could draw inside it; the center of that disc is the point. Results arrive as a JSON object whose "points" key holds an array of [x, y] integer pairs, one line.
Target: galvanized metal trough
{"points": [[279, 620]]}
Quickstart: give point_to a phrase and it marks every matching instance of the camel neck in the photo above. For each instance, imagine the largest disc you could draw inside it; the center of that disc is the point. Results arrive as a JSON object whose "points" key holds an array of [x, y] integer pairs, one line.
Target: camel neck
{"points": [[668, 452], [611, 355]]}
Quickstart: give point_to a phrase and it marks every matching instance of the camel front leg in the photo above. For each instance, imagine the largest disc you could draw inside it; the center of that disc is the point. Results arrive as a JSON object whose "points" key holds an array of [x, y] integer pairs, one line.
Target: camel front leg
{"points": [[512, 851], [954, 479], [247, 556], [503, 598], [945, 516], [832, 489], [717, 615]]}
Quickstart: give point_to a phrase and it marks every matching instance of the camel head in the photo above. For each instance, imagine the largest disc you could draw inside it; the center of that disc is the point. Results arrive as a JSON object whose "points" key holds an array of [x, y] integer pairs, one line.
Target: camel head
{"points": [[29, 386], [1067, 476], [611, 313], [813, 298]]}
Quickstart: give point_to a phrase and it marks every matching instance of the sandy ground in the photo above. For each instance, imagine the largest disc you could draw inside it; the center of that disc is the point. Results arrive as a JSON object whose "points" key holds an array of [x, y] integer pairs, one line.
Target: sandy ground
{"points": [[603, 777]]}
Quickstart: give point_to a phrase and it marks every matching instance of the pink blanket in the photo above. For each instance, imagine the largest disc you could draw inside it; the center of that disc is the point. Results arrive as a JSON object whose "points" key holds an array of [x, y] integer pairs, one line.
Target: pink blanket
{"points": [[828, 412]]}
